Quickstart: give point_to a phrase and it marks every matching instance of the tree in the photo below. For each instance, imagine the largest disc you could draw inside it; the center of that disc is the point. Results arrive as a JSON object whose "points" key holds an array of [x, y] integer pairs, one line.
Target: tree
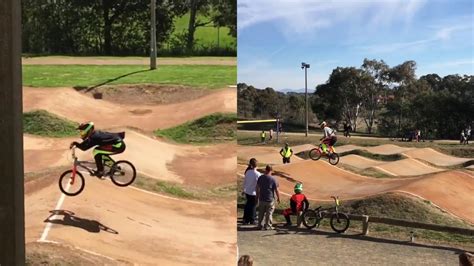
{"points": [[372, 92]]}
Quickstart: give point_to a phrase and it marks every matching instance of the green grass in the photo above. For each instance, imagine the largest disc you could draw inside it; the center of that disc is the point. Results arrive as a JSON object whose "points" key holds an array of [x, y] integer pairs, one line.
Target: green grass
{"points": [[209, 129], [160, 186], [206, 36], [46, 124], [199, 76]]}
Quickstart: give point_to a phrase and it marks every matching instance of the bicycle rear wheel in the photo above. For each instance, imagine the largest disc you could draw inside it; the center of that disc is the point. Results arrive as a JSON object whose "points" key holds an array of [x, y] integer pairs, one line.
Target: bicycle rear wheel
{"points": [[122, 173], [314, 154], [69, 185], [339, 222], [311, 218], [333, 158]]}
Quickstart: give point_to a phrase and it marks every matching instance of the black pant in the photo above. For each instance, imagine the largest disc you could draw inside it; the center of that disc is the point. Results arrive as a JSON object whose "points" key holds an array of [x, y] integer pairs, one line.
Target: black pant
{"points": [[250, 209], [106, 150], [286, 160]]}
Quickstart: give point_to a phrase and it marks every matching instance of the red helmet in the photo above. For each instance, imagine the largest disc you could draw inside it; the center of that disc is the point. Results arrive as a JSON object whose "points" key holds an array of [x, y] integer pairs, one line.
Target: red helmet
{"points": [[86, 129]]}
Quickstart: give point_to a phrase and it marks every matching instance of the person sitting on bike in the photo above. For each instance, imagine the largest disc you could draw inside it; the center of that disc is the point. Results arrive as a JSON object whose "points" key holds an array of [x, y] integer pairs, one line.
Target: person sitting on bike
{"points": [[329, 138], [107, 144], [298, 202]]}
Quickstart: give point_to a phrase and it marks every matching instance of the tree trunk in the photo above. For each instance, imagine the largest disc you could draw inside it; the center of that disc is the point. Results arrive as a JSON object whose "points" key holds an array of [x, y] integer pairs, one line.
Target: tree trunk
{"points": [[191, 25], [107, 30]]}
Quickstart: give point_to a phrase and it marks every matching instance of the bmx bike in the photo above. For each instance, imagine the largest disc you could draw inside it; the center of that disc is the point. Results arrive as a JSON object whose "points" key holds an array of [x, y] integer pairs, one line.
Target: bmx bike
{"points": [[316, 153], [339, 221], [72, 182]]}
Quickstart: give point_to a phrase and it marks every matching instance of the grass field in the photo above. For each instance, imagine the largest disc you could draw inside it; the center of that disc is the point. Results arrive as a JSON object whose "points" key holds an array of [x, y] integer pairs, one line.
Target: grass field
{"points": [[208, 35], [199, 76], [46, 124], [209, 129]]}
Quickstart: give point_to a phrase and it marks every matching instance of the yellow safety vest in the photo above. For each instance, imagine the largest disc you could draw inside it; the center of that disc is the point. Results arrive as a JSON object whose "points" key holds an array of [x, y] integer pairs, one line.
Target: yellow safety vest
{"points": [[263, 134], [287, 152]]}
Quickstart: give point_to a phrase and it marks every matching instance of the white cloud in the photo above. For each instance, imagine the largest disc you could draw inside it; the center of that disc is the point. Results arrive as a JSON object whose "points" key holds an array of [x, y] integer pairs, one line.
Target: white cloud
{"points": [[301, 17]]}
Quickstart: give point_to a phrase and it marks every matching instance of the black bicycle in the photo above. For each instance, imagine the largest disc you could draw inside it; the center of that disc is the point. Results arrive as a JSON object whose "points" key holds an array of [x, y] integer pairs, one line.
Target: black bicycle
{"points": [[122, 173], [339, 221]]}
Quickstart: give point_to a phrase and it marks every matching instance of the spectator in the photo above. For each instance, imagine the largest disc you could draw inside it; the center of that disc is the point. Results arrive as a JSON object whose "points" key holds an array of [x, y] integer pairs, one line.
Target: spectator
{"points": [[347, 129], [249, 189], [271, 133], [245, 260], [463, 137], [262, 136], [298, 203], [286, 153], [267, 188], [468, 134]]}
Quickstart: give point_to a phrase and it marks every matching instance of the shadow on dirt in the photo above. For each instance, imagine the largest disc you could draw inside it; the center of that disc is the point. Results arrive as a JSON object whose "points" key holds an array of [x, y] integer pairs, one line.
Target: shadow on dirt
{"points": [[70, 219], [88, 89]]}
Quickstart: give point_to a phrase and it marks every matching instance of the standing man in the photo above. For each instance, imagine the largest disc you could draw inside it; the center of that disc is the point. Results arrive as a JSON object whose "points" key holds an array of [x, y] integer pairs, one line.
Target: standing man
{"points": [[286, 152], [262, 136], [271, 133], [267, 188]]}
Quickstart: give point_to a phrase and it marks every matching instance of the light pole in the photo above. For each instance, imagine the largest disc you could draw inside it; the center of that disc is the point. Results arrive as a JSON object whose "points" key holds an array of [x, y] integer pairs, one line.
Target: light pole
{"points": [[153, 35], [305, 67]]}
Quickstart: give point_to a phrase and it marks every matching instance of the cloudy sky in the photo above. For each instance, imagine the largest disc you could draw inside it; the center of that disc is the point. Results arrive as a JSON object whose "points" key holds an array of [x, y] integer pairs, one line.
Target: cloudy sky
{"points": [[275, 36]]}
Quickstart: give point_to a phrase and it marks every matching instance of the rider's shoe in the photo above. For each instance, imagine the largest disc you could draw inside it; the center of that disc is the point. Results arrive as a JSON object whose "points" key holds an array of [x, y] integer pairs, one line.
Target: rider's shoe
{"points": [[99, 174]]}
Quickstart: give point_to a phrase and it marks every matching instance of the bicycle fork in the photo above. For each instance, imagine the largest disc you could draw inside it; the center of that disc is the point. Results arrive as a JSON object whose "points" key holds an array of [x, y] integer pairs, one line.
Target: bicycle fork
{"points": [[73, 177]]}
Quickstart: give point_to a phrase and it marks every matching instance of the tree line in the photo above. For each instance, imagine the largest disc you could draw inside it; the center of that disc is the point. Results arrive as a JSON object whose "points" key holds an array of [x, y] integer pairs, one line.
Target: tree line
{"points": [[117, 27], [389, 101]]}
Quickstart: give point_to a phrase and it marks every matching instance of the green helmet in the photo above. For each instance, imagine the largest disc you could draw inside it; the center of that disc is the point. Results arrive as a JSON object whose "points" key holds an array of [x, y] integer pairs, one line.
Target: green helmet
{"points": [[298, 188]]}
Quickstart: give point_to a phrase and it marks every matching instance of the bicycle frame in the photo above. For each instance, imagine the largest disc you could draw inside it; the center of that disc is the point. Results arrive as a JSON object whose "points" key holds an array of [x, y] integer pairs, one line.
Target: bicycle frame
{"points": [[80, 164], [331, 148]]}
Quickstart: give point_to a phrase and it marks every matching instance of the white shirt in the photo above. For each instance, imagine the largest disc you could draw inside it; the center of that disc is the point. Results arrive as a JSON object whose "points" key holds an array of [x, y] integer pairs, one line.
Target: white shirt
{"points": [[250, 182], [328, 132]]}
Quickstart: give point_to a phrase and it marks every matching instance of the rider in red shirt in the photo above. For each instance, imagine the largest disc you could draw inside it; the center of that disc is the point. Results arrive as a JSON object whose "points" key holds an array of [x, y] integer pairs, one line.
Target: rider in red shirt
{"points": [[298, 202]]}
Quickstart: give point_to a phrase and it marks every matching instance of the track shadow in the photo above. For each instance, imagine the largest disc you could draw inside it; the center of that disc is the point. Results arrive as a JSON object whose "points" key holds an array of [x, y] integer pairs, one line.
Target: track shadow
{"points": [[88, 89], [285, 176], [70, 219]]}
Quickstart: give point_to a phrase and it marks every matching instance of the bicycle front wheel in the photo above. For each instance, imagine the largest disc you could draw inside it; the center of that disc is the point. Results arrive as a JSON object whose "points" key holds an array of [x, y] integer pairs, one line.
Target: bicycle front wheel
{"points": [[339, 222], [122, 173], [314, 154], [311, 218], [71, 184]]}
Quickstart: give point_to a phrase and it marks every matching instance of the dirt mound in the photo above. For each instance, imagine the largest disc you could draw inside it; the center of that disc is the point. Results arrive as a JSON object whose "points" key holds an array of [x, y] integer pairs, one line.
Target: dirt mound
{"points": [[407, 167], [132, 225], [359, 161], [451, 190], [146, 94], [435, 157], [81, 108], [386, 149], [347, 148]]}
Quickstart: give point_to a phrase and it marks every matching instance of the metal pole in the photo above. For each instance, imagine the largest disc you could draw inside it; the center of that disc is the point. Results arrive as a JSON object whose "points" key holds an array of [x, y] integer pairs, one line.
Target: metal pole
{"points": [[153, 35], [12, 223], [306, 98]]}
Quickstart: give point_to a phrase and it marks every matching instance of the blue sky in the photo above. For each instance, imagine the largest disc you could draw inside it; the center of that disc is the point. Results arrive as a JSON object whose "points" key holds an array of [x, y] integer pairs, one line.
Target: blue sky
{"points": [[275, 36]]}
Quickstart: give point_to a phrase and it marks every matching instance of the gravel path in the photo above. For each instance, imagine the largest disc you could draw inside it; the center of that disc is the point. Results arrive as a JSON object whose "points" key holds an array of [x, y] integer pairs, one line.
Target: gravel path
{"points": [[315, 247]]}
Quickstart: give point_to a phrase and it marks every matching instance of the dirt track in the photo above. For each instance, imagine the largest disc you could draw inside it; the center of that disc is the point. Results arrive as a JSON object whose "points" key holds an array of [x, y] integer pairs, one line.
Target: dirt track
{"points": [[450, 190], [127, 224], [67, 60], [80, 107]]}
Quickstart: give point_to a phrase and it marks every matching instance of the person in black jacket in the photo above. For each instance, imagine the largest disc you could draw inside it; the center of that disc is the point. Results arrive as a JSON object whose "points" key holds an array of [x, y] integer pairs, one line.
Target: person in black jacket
{"points": [[108, 143]]}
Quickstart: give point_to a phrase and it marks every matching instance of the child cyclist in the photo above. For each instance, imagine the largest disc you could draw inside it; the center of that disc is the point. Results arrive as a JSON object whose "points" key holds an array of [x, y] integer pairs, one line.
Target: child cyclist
{"points": [[298, 202], [329, 138], [107, 144]]}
